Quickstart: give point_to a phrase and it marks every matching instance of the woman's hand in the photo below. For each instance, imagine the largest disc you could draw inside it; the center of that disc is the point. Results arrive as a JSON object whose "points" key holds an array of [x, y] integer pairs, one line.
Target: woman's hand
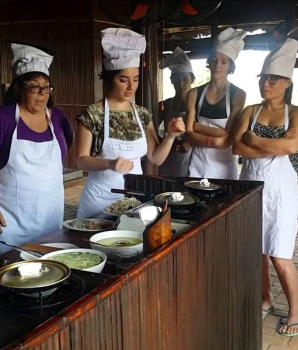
{"points": [[221, 142], [2, 222], [121, 165], [249, 137], [290, 134], [185, 147], [176, 127]]}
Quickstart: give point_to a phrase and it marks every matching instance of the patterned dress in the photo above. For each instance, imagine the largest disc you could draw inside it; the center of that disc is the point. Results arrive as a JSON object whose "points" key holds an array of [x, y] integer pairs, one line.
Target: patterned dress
{"points": [[123, 124], [275, 132]]}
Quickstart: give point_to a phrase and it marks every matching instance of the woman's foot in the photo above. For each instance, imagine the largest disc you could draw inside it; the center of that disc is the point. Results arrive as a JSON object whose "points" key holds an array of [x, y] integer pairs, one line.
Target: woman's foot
{"points": [[267, 307], [290, 329]]}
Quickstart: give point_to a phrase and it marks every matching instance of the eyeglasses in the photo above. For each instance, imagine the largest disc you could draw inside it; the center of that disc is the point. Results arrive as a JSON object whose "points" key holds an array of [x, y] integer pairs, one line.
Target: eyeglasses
{"points": [[272, 79], [36, 89]]}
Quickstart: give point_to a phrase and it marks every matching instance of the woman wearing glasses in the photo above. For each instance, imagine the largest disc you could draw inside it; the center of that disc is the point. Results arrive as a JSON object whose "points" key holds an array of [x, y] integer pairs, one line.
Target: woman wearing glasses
{"points": [[34, 138], [267, 138]]}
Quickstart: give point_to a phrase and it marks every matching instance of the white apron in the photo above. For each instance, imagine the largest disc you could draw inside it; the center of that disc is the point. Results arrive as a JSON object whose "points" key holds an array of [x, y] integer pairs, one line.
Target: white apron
{"points": [[97, 192], [210, 162], [279, 199], [31, 189], [177, 163]]}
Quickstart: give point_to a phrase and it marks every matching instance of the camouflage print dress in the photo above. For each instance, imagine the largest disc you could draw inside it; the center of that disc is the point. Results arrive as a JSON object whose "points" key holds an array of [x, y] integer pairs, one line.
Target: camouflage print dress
{"points": [[123, 124]]}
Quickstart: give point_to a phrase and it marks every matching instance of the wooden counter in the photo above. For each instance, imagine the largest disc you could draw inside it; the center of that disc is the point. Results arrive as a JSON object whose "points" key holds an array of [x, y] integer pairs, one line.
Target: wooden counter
{"points": [[201, 291]]}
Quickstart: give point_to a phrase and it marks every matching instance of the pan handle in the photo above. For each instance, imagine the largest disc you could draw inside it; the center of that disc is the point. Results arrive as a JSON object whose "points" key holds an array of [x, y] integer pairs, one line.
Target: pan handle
{"points": [[132, 193]]}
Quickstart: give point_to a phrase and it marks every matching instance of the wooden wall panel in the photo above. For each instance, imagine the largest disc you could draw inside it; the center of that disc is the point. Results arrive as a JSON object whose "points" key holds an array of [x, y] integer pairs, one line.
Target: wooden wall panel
{"points": [[201, 292], [72, 67], [12, 11], [72, 30]]}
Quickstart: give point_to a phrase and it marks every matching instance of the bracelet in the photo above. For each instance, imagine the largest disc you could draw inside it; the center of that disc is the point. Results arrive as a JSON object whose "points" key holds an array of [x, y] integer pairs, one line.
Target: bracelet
{"points": [[168, 135]]}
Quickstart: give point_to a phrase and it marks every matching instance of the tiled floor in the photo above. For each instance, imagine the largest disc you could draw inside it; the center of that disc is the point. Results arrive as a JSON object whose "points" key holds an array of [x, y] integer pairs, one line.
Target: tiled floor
{"points": [[271, 339]]}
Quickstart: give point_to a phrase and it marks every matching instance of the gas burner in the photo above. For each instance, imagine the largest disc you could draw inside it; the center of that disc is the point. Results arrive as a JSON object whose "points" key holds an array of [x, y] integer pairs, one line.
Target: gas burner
{"points": [[193, 214], [72, 288], [215, 196]]}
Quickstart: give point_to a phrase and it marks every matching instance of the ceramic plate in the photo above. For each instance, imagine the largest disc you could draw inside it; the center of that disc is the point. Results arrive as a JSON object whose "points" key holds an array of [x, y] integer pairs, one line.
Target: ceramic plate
{"points": [[110, 214], [25, 256], [89, 225]]}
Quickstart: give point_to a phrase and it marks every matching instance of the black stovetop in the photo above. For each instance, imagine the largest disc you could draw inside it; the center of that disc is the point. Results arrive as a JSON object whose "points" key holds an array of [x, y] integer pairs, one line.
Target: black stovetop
{"points": [[209, 205], [20, 314]]}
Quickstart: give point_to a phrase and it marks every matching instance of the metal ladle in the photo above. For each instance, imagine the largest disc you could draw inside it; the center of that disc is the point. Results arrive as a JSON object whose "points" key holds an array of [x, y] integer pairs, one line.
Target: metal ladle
{"points": [[149, 214], [116, 243]]}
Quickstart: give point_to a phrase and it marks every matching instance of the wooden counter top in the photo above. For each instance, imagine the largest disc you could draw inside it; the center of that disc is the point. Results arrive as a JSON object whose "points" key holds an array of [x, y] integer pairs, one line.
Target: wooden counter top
{"points": [[200, 291]]}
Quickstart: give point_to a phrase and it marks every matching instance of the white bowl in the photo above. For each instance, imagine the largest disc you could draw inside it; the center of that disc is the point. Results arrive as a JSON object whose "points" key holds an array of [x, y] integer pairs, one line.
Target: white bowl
{"points": [[97, 268], [25, 256], [116, 233]]}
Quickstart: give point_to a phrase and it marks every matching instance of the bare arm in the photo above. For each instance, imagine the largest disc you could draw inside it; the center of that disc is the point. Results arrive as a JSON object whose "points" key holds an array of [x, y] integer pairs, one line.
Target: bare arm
{"points": [[192, 136], [280, 146], [236, 110], [87, 163], [2, 222], [208, 130], [158, 152], [241, 148]]}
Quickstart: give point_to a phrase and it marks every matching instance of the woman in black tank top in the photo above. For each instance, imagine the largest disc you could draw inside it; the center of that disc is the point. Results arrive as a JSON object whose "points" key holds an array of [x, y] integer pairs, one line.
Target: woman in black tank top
{"points": [[213, 110]]}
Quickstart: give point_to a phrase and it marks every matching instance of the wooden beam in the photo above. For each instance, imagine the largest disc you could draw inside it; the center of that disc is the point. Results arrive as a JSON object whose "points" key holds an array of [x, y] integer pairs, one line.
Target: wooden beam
{"points": [[203, 46]]}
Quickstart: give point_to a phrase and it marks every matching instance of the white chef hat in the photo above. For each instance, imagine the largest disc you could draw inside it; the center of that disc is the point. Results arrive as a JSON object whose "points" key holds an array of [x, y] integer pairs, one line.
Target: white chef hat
{"points": [[122, 48], [282, 59], [29, 59], [177, 62], [229, 42]]}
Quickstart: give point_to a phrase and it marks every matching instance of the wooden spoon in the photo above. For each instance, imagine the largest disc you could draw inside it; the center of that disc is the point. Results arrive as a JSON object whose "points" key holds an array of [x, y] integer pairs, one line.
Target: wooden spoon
{"points": [[34, 247]]}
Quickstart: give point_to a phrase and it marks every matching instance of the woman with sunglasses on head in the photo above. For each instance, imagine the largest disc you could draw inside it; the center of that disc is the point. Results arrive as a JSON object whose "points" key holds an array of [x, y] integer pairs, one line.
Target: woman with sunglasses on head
{"points": [[267, 138], [34, 138], [213, 110], [177, 162]]}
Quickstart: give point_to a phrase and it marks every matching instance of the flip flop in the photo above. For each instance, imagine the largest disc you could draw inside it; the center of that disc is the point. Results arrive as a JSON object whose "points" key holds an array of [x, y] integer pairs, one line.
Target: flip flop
{"points": [[267, 311], [288, 334]]}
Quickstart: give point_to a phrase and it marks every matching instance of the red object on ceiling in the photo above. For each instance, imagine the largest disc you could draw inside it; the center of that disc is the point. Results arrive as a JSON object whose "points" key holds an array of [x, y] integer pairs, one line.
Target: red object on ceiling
{"points": [[143, 6], [187, 8], [139, 12]]}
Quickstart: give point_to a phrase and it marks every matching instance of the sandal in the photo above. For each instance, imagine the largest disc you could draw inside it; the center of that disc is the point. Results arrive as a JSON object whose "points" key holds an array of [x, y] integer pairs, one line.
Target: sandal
{"points": [[288, 334], [266, 312]]}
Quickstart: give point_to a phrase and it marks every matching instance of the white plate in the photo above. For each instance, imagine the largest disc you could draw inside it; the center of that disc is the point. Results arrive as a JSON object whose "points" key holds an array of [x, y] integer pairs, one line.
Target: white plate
{"points": [[70, 227], [25, 256], [110, 214]]}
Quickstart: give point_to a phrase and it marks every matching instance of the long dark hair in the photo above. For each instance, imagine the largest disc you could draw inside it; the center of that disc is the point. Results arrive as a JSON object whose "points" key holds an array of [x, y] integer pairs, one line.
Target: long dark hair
{"points": [[174, 75], [107, 76], [13, 96]]}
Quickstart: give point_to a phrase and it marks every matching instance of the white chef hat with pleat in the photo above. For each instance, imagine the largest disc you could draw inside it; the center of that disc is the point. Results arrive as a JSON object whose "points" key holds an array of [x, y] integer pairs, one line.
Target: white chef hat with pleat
{"points": [[28, 58], [229, 42], [281, 60], [122, 48], [177, 62]]}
